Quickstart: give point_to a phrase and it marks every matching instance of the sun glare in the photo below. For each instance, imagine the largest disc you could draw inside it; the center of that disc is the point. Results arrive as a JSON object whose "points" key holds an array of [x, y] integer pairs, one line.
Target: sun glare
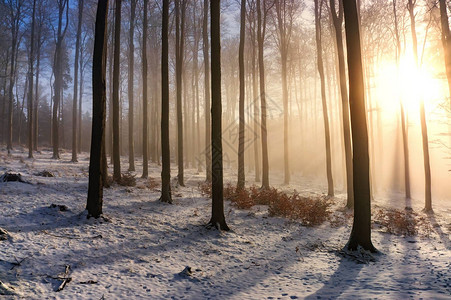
{"points": [[407, 84]]}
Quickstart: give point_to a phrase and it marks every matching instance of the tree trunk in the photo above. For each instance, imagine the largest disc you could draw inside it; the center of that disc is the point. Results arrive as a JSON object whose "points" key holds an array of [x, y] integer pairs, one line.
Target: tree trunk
{"points": [[58, 75], [116, 70], [361, 228], [97, 162], [260, 38], [165, 148], [30, 88], [217, 211], [180, 6], [145, 100], [424, 130], [207, 91], [446, 41], [337, 22], [131, 62], [241, 176], [319, 53], [76, 65]]}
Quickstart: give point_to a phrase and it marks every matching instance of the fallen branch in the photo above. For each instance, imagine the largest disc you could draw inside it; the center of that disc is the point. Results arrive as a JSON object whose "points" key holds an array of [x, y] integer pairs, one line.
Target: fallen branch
{"points": [[66, 279], [17, 263]]}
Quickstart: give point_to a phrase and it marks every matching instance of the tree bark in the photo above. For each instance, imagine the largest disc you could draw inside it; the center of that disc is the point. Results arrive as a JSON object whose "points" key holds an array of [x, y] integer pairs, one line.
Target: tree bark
{"points": [[165, 149], [145, 100], [217, 211], [446, 41], [337, 21], [116, 70], [261, 65], [76, 65], [207, 91], [180, 7], [241, 175], [424, 130], [30, 88], [97, 159], [319, 53], [361, 227], [58, 74]]}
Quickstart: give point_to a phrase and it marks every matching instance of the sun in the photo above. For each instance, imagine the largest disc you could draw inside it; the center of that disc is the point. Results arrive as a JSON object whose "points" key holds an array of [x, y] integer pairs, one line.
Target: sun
{"points": [[407, 84]]}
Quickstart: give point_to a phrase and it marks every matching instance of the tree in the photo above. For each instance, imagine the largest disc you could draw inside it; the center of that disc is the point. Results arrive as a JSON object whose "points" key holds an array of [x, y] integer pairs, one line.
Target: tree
{"points": [[285, 14], [319, 60], [205, 48], [58, 73], [180, 9], [131, 62], [262, 13], [144, 85], [97, 158], [337, 21], [424, 131], [361, 227], [405, 137], [446, 40], [165, 148], [15, 18], [30, 82], [241, 176], [217, 188], [76, 65], [116, 136]]}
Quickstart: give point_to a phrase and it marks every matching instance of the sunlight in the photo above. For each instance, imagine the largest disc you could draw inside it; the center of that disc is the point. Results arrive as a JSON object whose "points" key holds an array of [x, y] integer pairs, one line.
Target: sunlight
{"points": [[408, 84]]}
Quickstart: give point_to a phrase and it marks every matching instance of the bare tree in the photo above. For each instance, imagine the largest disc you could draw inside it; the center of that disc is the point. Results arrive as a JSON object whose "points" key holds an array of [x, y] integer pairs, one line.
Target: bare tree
{"points": [[180, 10], [76, 65], [98, 159], [361, 227], [58, 73], [144, 86], [241, 176], [207, 99], [446, 40], [424, 131], [217, 211], [165, 149], [30, 82], [319, 57], [337, 21], [285, 14], [131, 62], [116, 70], [262, 14]]}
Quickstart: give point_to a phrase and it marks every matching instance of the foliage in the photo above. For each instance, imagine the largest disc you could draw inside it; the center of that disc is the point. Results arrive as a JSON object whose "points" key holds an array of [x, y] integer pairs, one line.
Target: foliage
{"points": [[402, 222], [127, 179]]}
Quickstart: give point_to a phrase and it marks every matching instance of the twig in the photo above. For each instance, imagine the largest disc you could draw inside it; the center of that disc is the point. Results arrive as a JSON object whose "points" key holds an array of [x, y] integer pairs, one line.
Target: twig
{"points": [[66, 279], [17, 263]]}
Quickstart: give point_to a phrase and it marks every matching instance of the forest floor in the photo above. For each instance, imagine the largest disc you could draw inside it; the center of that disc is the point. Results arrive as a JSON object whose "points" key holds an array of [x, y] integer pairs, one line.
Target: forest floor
{"points": [[141, 249]]}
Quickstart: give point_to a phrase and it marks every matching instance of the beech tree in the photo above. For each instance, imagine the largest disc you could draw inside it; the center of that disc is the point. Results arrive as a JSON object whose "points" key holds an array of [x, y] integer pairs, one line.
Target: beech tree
{"points": [[337, 21], [165, 148], [63, 5], [241, 176], [131, 62], [97, 159], [76, 66], [320, 65], [144, 86], [361, 227], [217, 186], [116, 70]]}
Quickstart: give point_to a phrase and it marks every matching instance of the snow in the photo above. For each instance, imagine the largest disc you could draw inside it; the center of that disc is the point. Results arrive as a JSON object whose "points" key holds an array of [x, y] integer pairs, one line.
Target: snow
{"points": [[144, 249]]}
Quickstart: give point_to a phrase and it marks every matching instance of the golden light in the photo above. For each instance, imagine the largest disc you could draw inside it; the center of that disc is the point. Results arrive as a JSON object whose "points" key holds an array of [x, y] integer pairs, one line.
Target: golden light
{"points": [[407, 83]]}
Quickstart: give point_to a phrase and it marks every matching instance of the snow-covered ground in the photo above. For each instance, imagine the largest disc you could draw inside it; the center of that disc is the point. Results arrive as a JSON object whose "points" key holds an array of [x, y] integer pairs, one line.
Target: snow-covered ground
{"points": [[142, 247]]}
